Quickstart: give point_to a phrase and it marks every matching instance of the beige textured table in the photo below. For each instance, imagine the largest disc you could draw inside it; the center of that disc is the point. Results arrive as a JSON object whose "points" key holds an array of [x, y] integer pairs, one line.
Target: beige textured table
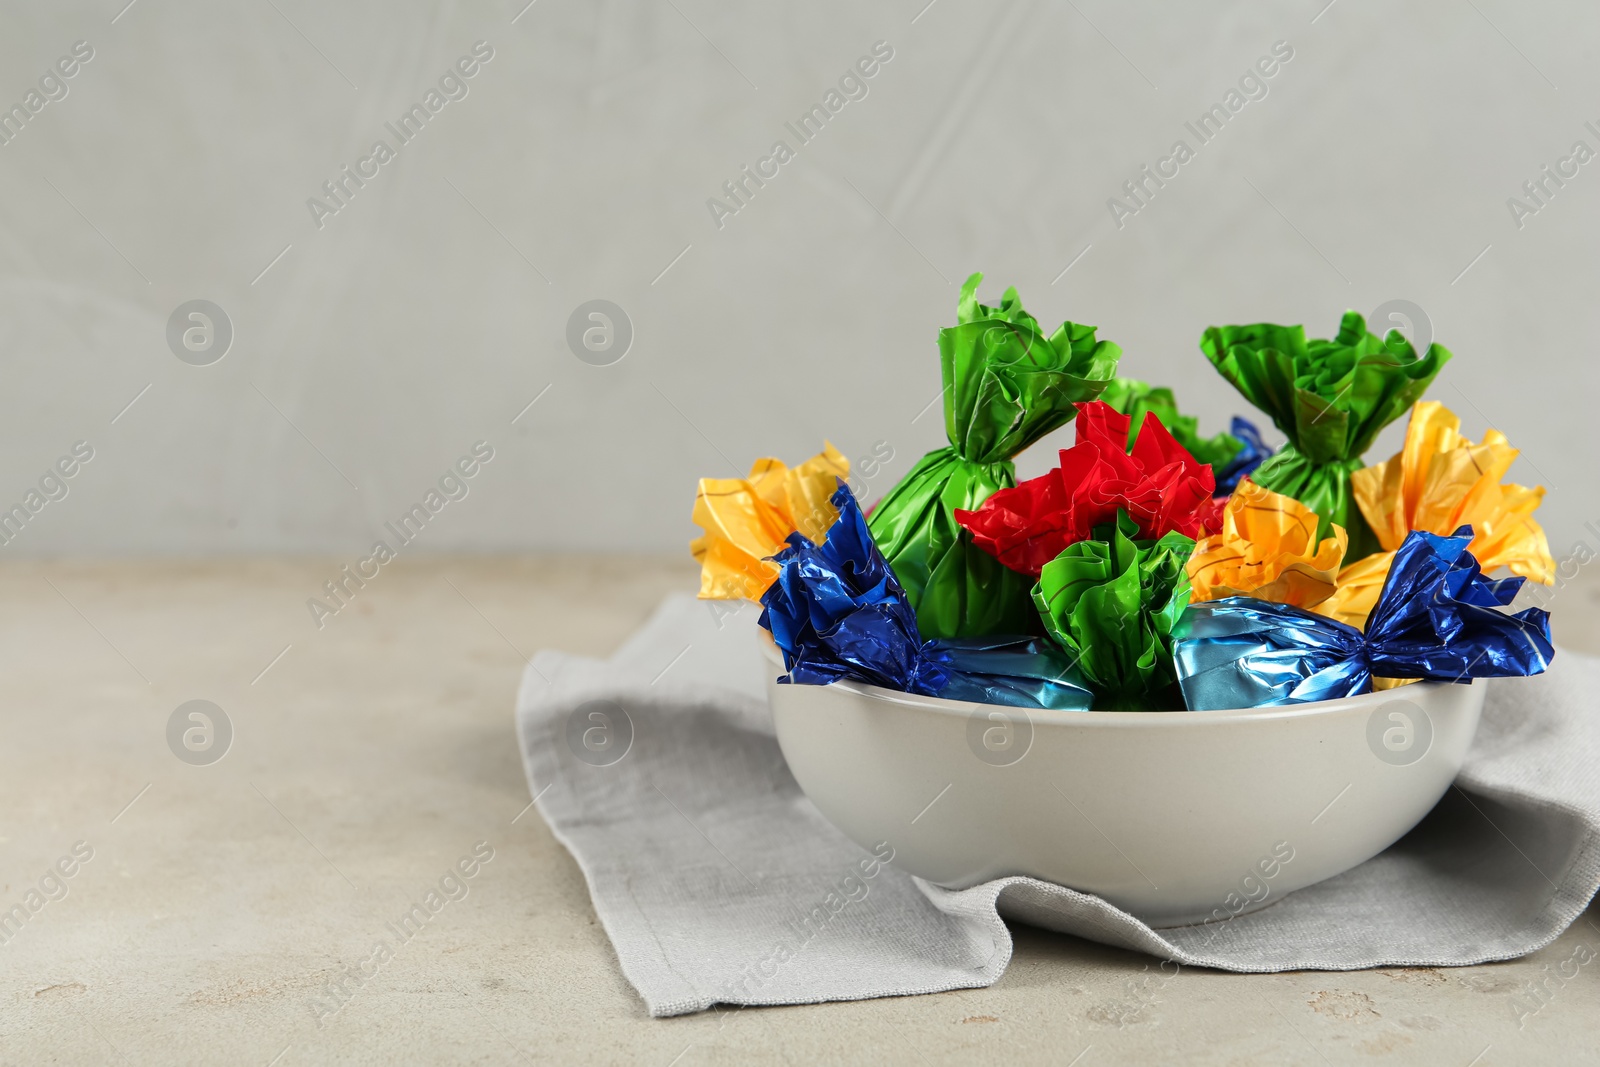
{"points": [[368, 758]]}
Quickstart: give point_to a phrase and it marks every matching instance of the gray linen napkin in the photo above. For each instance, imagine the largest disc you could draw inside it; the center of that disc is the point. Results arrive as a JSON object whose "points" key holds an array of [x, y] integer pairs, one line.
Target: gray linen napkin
{"points": [[719, 882]]}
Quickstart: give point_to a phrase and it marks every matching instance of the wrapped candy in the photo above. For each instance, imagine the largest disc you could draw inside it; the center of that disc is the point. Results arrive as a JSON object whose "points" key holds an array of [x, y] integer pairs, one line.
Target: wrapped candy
{"points": [[1330, 397], [1437, 619], [838, 613], [747, 520], [1159, 486], [1439, 481], [1268, 549], [1112, 603], [1006, 384]]}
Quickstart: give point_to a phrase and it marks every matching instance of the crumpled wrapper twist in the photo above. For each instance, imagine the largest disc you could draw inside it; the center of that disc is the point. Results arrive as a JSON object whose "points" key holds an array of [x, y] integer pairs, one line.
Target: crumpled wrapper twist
{"points": [[1113, 602], [1159, 486], [1006, 384], [1330, 398], [1268, 549], [838, 614], [1437, 482], [1437, 619], [1231, 455], [748, 520], [1136, 399]]}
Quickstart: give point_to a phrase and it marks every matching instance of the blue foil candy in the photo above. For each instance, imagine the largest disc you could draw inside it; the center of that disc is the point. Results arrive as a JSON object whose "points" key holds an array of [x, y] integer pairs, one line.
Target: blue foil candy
{"points": [[1252, 455], [837, 612], [1437, 619]]}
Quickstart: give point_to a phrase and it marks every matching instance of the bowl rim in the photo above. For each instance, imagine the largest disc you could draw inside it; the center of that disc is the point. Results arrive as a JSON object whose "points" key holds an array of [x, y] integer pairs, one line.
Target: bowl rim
{"points": [[1138, 719]]}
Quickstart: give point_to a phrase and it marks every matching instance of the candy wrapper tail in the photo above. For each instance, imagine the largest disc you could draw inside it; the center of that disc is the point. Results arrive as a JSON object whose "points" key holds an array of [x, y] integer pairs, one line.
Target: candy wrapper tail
{"points": [[1135, 399], [1231, 455], [747, 520], [1267, 549], [1330, 398], [1159, 486]]}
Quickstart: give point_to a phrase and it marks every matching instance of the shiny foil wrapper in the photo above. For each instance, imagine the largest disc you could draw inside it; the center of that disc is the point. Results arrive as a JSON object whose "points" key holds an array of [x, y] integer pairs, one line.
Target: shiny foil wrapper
{"points": [[1437, 619], [1330, 397], [1007, 383], [1137, 399], [837, 612], [1231, 456]]}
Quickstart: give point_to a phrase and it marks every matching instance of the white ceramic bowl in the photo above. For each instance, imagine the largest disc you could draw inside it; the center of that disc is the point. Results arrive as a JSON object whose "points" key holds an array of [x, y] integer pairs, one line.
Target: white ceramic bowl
{"points": [[1176, 818]]}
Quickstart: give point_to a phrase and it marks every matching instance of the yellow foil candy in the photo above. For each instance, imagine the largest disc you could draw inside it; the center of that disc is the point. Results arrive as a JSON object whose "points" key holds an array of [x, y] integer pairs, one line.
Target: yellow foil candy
{"points": [[1438, 482], [748, 519], [1267, 549]]}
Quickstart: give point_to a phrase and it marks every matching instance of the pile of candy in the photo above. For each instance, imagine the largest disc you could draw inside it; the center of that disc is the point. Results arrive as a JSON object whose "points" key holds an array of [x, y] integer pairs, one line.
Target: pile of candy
{"points": [[1152, 569]]}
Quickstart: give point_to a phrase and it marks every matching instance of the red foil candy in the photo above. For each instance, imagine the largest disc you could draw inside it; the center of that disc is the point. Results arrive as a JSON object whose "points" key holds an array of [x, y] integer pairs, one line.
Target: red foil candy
{"points": [[1160, 485]]}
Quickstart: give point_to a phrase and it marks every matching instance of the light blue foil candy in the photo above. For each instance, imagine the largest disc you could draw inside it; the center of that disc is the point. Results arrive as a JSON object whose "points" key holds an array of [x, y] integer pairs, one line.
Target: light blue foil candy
{"points": [[1437, 619]]}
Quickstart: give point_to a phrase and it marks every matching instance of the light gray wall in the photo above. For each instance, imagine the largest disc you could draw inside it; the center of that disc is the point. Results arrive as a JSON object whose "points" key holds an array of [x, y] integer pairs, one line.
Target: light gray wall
{"points": [[429, 311]]}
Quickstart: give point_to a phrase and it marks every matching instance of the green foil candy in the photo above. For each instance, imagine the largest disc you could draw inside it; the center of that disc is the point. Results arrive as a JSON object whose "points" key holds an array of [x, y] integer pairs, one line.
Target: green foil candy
{"points": [[1006, 384], [1136, 399], [1330, 398], [1112, 602]]}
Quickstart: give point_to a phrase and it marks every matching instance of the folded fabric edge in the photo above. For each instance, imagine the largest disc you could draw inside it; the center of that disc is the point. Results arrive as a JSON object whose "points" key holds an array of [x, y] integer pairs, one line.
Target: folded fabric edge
{"points": [[1022, 899], [554, 680], [1574, 888], [1025, 900], [558, 683]]}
